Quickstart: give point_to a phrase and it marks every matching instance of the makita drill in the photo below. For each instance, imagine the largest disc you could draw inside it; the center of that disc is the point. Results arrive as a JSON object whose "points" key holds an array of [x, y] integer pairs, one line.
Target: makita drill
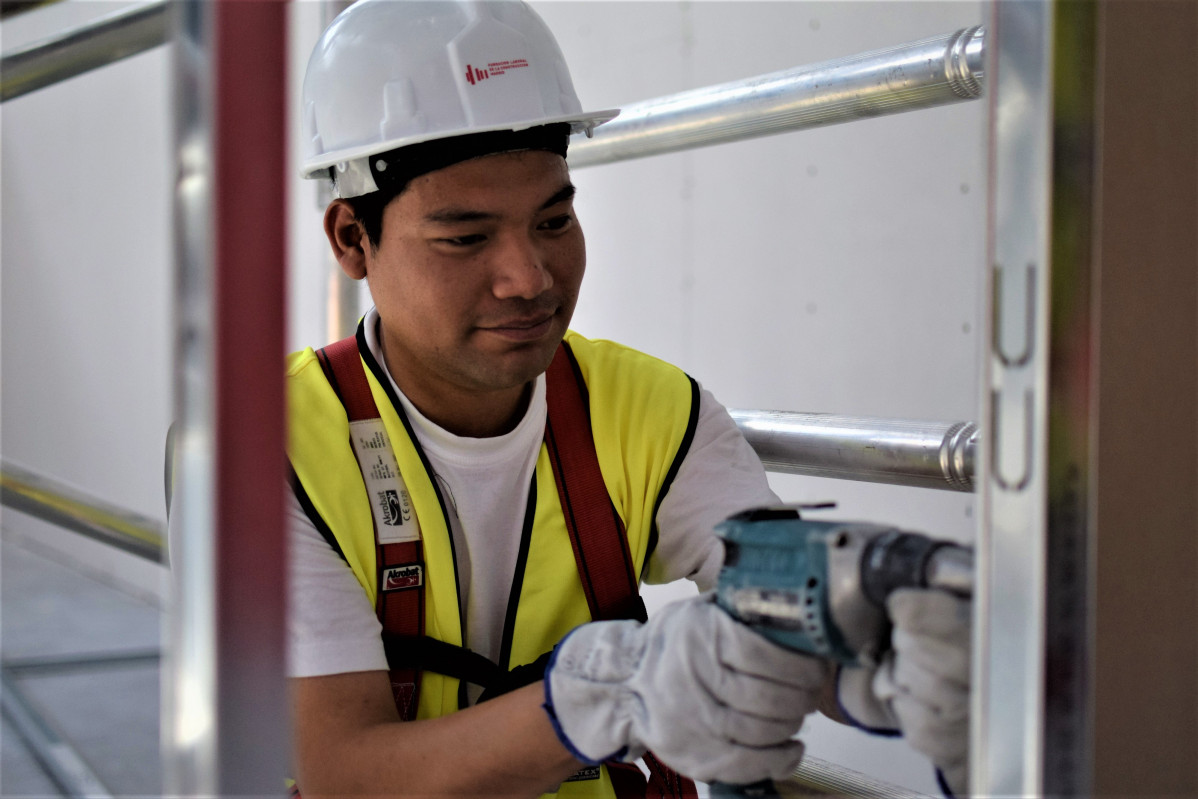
{"points": [[820, 587]]}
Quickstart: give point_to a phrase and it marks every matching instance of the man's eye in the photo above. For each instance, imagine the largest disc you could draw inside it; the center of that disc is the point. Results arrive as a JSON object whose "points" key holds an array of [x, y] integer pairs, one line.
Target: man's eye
{"points": [[464, 241], [557, 222]]}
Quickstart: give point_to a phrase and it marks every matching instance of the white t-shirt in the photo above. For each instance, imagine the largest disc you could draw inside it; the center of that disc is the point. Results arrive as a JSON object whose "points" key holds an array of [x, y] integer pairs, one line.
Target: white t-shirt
{"points": [[485, 481]]}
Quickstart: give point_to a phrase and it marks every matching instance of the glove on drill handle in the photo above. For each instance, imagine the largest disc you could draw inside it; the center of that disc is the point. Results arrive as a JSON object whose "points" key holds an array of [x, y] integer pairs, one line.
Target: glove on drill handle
{"points": [[709, 696]]}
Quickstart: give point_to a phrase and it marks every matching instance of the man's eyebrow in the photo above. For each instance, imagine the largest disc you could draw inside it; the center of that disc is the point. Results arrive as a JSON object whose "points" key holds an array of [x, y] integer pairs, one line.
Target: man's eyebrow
{"points": [[563, 194], [449, 216]]}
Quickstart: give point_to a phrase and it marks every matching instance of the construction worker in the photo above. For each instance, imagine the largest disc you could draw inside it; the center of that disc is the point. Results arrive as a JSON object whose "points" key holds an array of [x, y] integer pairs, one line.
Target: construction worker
{"points": [[473, 484]]}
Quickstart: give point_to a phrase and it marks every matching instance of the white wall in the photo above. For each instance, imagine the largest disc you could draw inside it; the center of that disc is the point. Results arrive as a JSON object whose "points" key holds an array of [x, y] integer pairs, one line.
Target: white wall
{"points": [[831, 270]]}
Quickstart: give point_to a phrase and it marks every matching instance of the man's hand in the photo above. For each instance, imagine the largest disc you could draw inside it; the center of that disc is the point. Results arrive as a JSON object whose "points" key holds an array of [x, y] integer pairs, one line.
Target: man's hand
{"points": [[710, 697], [922, 685]]}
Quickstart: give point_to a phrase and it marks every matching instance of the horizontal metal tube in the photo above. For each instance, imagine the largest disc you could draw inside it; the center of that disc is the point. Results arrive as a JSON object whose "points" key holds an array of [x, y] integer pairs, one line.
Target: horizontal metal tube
{"points": [[85, 661], [51, 501], [96, 44], [937, 71], [13, 9], [894, 451]]}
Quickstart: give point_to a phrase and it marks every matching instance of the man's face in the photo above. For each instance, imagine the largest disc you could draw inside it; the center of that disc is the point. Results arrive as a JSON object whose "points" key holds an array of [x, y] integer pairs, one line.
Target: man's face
{"points": [[476, 275]]}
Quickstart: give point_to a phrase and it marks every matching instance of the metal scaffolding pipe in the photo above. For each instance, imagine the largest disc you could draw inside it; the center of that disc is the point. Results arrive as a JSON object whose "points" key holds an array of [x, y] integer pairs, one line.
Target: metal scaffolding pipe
{"points": [[52, 501], [923, 74], [894, 451], [14, 8], [61, 762], [82, 49]]}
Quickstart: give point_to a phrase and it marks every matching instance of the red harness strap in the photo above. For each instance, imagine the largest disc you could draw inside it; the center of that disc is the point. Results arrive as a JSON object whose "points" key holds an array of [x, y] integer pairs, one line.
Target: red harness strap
{"points": [[401, 611], [600, 545], [596, 530]]}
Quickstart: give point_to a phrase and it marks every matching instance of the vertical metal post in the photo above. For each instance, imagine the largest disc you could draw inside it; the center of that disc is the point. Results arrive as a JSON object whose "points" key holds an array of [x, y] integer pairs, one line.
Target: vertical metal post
{"points": [[225, 720], [188, 727], [1008, 706]]}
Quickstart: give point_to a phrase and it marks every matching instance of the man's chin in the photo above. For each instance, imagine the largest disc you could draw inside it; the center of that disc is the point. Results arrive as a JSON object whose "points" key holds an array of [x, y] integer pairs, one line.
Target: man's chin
{"points": [[519, 365]]}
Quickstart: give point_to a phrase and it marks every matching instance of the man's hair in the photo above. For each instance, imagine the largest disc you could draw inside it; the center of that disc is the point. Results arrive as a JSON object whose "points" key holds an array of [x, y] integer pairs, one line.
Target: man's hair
{"points": [[394, 170], [368, 210]]}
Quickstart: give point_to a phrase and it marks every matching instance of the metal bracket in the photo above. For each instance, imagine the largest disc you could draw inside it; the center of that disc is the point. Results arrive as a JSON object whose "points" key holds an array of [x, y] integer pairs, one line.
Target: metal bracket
{"points": [[995, 451], [1029, 333]]}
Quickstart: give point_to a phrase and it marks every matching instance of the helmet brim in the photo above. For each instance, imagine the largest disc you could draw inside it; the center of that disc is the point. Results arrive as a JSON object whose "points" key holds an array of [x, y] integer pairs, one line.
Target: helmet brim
{"points": [[317, 167]]}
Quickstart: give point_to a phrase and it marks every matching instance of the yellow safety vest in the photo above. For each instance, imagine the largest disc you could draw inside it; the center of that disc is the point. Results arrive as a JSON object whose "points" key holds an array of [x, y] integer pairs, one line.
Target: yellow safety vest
{"points": [[643, 414]]}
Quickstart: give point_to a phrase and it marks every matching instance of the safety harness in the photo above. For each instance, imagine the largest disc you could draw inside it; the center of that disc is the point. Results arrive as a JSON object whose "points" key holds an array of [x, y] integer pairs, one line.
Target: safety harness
{"points": [[597, 535]]}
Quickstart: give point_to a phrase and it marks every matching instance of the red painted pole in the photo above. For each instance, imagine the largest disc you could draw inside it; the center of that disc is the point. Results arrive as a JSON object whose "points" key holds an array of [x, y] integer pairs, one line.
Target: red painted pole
{"points": [[250, 253]]}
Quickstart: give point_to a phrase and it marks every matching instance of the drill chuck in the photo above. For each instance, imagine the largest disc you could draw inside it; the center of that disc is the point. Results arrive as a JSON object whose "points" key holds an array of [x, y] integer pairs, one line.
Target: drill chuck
{"points": [[897, 559]]}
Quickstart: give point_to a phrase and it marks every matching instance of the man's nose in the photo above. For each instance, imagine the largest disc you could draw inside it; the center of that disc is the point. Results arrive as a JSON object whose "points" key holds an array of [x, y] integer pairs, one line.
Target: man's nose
{"points": [[521, 270]]}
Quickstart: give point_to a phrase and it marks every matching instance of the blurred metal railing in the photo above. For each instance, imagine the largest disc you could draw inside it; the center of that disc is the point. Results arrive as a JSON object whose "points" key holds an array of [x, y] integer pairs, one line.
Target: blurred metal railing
{"points": [[62, 764], [57, 503], [53, 501], [13, 8], [108, 39]]}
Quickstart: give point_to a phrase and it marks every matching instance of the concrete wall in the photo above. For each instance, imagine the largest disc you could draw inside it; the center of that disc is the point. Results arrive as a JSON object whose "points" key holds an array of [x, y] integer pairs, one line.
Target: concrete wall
{"points": [[836, 270]]}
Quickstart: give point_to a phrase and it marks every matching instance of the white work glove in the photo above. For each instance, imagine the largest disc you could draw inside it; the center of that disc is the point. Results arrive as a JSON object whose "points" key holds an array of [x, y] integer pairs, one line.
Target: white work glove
{"points": [[711, 698], [921, 688]]}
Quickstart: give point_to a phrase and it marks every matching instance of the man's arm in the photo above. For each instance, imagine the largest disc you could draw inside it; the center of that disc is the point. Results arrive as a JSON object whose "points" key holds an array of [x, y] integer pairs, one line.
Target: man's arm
{"points": [[348, 735], [349, 740]]}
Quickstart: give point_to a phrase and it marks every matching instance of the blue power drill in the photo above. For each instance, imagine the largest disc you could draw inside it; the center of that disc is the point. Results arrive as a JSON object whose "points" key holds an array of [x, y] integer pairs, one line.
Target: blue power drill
{"points": [[820, 587]]}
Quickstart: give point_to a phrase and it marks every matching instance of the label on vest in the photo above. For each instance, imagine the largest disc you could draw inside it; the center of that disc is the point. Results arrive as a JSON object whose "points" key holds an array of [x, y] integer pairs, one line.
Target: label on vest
{"points": [[584, 774], [410, 575], [394, 518]]}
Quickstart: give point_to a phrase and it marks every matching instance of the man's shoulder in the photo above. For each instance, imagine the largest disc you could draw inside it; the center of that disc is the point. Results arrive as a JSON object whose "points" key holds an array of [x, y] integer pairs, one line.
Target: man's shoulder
{"points": [[309, 394], [298, 362], [636, 392], [609, 358]]}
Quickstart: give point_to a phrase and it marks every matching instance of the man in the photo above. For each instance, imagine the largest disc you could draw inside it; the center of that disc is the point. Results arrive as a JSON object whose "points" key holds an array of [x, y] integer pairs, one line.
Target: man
{"points": [[436, 463]]}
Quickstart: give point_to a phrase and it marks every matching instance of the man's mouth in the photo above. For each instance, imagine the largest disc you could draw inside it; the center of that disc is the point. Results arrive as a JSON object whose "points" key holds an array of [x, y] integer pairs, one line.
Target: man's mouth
{"points": [[524, 328]]}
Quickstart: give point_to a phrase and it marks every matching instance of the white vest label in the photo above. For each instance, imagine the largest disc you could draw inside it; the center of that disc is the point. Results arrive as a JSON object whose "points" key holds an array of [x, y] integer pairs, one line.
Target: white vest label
{"points": [[394, 517]]}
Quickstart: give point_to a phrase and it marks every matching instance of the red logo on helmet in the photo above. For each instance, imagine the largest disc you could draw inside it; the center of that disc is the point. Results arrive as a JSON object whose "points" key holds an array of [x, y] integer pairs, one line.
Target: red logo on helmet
{"points": [[494, 69], [473, 74]]}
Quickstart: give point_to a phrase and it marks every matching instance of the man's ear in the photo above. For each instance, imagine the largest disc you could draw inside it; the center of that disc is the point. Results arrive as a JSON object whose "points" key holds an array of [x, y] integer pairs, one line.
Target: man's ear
{"points": [[347, 238]]}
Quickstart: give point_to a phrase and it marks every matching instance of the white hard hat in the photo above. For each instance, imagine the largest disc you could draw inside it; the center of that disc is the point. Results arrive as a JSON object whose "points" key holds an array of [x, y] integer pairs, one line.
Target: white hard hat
{"points": [[390, 73]]}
